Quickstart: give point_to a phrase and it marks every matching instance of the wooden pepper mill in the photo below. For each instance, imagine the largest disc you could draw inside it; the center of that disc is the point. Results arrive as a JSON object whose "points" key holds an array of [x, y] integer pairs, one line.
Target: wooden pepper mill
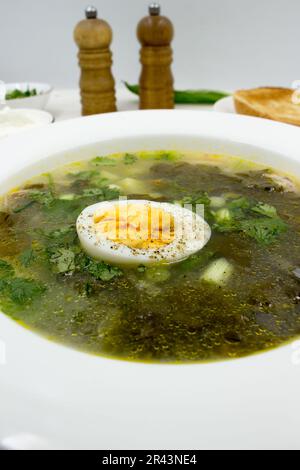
{"points": [[155, 33], [93, 37]]}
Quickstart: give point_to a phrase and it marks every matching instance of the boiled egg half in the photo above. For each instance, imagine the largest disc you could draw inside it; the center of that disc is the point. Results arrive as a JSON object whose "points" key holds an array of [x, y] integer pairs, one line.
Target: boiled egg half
{"points": [[144, 232]]}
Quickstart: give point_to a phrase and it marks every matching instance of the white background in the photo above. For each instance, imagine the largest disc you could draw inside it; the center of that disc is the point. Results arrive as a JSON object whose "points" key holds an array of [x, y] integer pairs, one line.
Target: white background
{"points": [[223, 44]]}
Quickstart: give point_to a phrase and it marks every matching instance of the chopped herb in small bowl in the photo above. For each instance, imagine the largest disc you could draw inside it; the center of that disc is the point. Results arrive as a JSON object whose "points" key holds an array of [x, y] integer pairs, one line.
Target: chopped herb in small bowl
{"points": [[16, 94]]}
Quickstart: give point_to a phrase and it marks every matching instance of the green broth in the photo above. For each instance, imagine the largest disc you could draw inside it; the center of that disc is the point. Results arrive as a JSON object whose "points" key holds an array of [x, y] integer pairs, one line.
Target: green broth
{"points": [[168, 313]]}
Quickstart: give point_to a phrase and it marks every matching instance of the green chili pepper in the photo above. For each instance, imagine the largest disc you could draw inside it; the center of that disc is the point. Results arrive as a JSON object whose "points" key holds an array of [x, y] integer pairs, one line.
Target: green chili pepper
{"points": [[189, 96]]}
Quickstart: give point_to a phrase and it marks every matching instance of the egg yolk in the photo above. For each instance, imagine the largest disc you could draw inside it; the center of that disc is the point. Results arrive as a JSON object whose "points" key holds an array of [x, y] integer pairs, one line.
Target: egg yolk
{"points": [[136, 226]]}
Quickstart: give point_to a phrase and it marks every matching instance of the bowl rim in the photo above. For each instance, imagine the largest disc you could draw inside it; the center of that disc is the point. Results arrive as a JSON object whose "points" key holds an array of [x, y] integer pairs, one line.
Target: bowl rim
{"points": [[55, 380]]}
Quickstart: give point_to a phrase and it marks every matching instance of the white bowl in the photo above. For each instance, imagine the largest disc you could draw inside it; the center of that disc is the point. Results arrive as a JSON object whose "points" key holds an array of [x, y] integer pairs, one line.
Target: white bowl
{"points": [[34, 102], [64, 398]]}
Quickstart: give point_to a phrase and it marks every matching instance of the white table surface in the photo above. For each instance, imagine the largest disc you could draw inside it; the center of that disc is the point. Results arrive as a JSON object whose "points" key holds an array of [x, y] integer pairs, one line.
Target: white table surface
{"points": [[65, 103]]}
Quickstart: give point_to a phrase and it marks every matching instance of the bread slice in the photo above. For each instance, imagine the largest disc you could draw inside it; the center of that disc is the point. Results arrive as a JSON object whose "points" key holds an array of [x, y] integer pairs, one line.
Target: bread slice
{"points": [[269, 103]]}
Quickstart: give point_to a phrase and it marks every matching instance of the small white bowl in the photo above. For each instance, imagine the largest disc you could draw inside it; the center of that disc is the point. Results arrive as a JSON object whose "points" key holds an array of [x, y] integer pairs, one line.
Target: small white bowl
{"points": [[38, 101]]}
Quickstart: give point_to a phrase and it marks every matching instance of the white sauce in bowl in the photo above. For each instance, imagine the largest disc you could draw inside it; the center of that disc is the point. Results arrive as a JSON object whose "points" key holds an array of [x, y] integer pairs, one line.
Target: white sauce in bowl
{"points": [[15, 120]]}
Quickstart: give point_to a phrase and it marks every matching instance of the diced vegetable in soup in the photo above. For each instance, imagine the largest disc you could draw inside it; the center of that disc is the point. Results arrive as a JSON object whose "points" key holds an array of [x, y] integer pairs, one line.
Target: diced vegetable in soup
{"points": [[79, 269]]}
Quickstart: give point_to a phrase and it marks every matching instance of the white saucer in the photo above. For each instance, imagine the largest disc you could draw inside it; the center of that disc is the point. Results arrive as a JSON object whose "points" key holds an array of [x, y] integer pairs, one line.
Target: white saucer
{"points": [[225, 105]]}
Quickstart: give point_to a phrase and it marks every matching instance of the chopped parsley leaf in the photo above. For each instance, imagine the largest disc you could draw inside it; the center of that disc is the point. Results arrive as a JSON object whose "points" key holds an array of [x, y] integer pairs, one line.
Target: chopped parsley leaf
{"points": [[27, 257], [6, 269], [129, 159]]}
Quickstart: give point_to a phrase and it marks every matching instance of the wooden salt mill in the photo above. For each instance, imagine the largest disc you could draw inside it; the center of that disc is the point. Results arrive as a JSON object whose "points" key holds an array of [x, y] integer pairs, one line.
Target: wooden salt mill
{"points": [[155, 33], [93, 37]]}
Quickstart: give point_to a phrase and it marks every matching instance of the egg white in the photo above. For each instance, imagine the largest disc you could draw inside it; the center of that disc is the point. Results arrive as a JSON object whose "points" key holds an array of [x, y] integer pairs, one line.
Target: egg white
{"points": [[191, 234]]}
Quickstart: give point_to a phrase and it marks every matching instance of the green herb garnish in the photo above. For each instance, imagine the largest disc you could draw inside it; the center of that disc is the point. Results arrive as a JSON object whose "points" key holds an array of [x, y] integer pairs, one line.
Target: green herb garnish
{"points": [[104, 161], [16, 94], [27, 257], [264, 231], [102, 271], [196, 261], [84, 175], [129, 159], [92, 192], [63, 260], [45, 198], [265, 209], [141, 268], [24, 207], [195, 199], [256, 219], [6, 269], [22, 291]]}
